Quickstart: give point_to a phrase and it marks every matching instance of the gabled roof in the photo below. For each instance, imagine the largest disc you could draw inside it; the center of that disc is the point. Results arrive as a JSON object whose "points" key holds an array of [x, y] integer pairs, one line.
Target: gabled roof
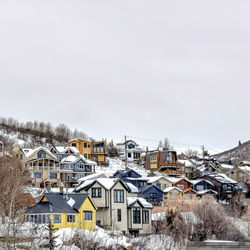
{"points": [[73, 159], [147, 187], [106, 183], [30, 152], [58, 203], [125, 171], [190, 189], [156, 178], [62, 150], [183, 179], [132, 200], [222, 178], [200, 180], [169, 189], [91, 177]]}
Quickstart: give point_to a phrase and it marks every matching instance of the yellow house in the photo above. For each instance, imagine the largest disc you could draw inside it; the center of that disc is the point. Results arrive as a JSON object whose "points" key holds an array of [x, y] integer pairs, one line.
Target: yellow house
{"points": [[64, 211], [172, 196]]}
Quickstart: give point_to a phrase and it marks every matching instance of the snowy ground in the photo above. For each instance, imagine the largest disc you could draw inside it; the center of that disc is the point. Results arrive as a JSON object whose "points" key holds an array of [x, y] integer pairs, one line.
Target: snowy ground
{"points": [[116, 164]]}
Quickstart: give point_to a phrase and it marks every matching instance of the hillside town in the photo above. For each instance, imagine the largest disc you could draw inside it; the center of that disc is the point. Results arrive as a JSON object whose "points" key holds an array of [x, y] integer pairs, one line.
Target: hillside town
{"points": [[81, 186]]}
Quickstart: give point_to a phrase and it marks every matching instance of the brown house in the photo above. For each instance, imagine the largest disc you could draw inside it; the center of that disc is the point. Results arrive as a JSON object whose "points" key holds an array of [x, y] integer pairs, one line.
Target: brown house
{"points": [[166, 162]]}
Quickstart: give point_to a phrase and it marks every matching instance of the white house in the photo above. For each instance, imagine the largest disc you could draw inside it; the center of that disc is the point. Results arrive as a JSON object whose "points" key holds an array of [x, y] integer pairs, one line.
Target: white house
{"points": [[133, 151]]}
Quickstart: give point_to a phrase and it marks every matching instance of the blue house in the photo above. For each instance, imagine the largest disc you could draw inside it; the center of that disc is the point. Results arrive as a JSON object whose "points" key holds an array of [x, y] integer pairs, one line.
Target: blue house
{"points": [[73, 168], [151, 194], [201, 184], [131, 176]]}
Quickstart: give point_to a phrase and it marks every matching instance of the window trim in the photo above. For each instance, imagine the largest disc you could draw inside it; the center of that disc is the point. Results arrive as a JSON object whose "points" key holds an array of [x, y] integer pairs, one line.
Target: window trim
{"points": [[96, 190], [116, 191], [72, 216], [85, 213], [145, 216], [60, 216], [119, 215]]}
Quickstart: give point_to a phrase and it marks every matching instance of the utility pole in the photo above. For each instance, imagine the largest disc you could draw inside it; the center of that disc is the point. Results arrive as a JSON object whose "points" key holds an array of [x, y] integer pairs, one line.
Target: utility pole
{"points": [[126, 159], [203, 152]]}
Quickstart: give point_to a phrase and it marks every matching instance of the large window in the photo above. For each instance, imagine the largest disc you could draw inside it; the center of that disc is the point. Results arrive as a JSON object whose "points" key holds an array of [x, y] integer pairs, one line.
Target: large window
{"points": [[37, 175], [118, 196], [71, 218], [170, 157], [145, 216], [57, 219], [85, 156], [119, 215], [53, 175], [38, 218], [96, 192], [136, 215], [88, 216], [73, 145]]}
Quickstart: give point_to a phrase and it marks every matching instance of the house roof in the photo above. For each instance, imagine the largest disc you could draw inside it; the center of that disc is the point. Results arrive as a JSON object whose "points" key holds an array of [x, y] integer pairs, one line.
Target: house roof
{"points": [[168, 189], [29, 152], [91, 177], [61, 149], [188, 190], [147, 187], [125, 171], [132, 188], [222, 178], [106, 183], [58, 203], [141, 201], [155, 178], [74, 159], [200, 180]]}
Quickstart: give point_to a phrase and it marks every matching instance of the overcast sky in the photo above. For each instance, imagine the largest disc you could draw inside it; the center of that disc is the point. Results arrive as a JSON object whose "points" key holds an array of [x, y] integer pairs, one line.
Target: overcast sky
{"points": [[148, 69]]}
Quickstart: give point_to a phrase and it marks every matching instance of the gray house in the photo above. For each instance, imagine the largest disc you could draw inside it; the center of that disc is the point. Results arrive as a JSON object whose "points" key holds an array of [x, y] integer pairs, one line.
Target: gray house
{"points": [[119, 208]]}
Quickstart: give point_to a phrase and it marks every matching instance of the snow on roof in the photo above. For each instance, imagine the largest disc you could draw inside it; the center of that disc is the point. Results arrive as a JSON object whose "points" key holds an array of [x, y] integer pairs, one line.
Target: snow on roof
{"points": [[224, 178], [137, 179], [143, 202], [199, 180], [91, 177], [84, 184], [246, 162], [132, 188], [206, 191], [73, 159], [226, 166], [71, 202], [168, 189], [155, 178], [61, 149], [173, 179], [28, 152]]}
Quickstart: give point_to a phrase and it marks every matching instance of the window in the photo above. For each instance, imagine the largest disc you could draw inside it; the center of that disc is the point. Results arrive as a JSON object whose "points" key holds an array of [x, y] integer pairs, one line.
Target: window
{"points": [[118, 196], [96, 193], [41, 154], [57, 219], [170, 157], [16, 155], [199, 187], [145, 216], [85, 145], [85, 156], [37, 175], [73, 145], [153, 195], [21, 156], [89, 156], [136, 215], [88, 216], [129, 155], [180, 186], [71, 218], [53, 175], [88, 145], [119, 215]]}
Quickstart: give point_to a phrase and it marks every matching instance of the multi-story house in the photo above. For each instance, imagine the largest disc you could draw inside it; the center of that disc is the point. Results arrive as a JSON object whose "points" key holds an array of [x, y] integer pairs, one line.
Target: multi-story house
{"points": [[95, 151], [50, 167], [43, 166], [119, 208], [151, 194], [74, 167], [165, 162], [132, 153]]}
